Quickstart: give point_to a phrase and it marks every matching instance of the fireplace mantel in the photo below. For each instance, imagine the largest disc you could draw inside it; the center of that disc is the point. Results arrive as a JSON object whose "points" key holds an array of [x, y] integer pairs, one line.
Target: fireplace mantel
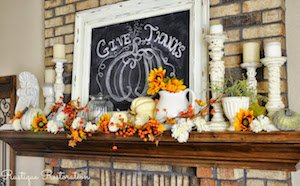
{"points": [[247, 150]]}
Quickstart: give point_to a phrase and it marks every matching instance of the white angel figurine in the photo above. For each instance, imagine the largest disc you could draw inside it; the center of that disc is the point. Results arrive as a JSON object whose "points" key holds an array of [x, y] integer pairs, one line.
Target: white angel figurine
{"points": [[29, 91]]}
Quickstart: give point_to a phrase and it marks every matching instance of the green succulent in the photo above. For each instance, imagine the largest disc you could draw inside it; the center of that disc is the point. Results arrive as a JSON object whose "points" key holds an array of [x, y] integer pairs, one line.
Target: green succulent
{"points": [[235, 88]]}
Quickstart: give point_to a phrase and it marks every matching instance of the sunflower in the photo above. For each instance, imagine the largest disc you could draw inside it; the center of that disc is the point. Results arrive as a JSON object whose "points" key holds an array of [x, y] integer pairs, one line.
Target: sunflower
{"points": [[174, 85], [155, 86], [156, 73], [39, 123], [243, 120]]}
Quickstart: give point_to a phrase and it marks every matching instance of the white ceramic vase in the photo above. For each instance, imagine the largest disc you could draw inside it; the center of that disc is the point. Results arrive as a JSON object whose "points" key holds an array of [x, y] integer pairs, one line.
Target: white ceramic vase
{"points": [[48, 92], [171, 104], [232, 105]]}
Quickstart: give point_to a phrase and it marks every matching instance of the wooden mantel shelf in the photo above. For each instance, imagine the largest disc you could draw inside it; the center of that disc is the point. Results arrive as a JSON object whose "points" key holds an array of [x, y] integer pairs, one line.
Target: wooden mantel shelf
{"points": [[248, 150]]}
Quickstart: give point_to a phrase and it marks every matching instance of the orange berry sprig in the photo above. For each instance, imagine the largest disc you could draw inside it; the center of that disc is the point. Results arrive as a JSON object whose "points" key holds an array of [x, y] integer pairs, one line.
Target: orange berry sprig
{"points": [[126, 130], [103, 123], [151, 130], [147, 132], [72, 111], [190, 113]]}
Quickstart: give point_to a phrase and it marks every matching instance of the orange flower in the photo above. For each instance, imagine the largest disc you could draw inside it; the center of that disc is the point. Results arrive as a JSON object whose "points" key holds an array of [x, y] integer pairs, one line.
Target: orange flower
{"points": [[200, 103], [77, 135], [39, 123], [161, 128], [243, 120], [103, 123], [17, 116]]}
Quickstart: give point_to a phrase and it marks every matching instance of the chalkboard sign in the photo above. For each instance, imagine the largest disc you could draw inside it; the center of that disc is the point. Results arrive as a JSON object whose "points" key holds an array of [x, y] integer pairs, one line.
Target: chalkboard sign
{"points": [[122, 55]]}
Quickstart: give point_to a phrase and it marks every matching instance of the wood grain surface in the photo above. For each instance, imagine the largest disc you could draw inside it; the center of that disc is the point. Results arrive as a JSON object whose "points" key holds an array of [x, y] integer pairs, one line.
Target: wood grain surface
{"points": [[248, 150]]}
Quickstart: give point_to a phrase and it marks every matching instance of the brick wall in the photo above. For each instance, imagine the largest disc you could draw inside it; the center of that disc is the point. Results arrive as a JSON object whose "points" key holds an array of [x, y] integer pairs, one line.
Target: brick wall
{"points": [[255, 20], [252, 20], [106, 173], [59, 28]]}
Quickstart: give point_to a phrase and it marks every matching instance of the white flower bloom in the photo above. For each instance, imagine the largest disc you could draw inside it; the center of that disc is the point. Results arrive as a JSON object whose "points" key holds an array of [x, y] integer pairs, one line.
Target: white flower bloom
{"points": [[201, 124], [261, 123], [17, 125], [61, 116], [180, 133], [90, 127], [131, 119], [187, 124], [76, 123], [121, 115], [52, 126], [112, 126], [141, 119], [256, 126]]}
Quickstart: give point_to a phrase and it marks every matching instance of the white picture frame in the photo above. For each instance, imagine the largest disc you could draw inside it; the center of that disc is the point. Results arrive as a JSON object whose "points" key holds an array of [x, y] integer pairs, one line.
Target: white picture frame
{"points": [[134, 10]]}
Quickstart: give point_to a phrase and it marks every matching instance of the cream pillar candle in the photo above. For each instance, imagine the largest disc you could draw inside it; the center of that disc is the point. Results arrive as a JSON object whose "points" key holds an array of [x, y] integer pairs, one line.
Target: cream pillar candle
{"points": [[273, 49], [251, 52], [59, 51], [50, 76], [216, 29]]}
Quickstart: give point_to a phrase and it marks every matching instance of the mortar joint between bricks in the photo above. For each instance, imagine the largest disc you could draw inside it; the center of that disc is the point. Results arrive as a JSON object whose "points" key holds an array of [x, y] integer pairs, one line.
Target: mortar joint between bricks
{"points": [[245, 13], [245, 177], [276, 22], [258, 25], [241, 7], [215, 173]]}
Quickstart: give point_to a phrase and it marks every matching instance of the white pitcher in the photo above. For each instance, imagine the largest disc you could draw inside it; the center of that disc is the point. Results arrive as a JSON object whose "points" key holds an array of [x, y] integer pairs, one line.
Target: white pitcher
{"points": [[173, 103]]}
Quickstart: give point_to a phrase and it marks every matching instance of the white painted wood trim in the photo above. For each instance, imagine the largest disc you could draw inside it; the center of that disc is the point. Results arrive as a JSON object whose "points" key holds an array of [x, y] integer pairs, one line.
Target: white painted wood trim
{"points": [[133, 10]]}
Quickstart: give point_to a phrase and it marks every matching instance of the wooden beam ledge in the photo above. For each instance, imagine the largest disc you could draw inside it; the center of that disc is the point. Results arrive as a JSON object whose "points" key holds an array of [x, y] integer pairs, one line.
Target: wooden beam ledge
{"points": [[246, 150]]}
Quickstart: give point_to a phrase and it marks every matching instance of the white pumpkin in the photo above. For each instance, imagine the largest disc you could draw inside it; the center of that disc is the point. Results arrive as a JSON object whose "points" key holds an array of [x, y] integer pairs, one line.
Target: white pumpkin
{"points": [[143, 105], [28, 117], [138, 101]]}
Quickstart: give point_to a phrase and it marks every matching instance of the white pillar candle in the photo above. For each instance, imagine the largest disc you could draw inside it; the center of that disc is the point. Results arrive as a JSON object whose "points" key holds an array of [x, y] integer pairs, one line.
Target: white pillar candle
{"points": [[251, 52], [216, 29], [59, 51], [50, 76], [273, 49]]}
